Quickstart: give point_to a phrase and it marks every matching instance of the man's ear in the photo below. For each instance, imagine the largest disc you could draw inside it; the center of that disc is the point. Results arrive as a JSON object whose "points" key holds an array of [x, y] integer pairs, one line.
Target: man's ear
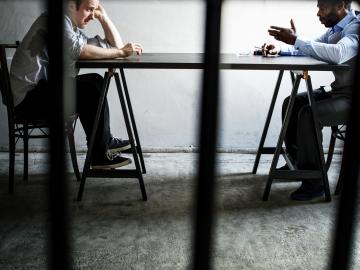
{"points": [[340, 6], [71, 6]]}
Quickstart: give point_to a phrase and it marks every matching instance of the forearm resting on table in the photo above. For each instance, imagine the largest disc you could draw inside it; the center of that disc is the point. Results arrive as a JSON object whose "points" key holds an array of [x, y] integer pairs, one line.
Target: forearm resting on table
{"points": [[94, 52]]}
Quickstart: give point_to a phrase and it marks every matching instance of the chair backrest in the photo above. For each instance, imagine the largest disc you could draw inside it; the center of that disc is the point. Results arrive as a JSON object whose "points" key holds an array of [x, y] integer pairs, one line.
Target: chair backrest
{"points": [[5, 86]]}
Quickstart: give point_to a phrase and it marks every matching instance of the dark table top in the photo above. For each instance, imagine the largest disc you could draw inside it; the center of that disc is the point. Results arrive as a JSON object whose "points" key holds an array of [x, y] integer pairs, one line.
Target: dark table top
{"points": [[227, 61]]}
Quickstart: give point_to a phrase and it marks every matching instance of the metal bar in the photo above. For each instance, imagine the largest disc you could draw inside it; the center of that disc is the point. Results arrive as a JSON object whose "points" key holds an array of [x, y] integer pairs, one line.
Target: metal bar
{"points": [[340, 183], [12, 146], [33, 136], [348, 207], [296, 174], [59, 247], [331, 147], [320, 151], [132, 118], [271, 150], [208, 139], [131, 138], [70, 135], [26, 151], [104, 90], [281, 137], [113, 173], [292, 76], [267, 122], [288, 161]]}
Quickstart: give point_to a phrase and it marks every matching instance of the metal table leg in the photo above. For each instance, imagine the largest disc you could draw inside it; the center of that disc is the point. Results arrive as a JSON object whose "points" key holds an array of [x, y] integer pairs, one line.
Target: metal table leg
{"points": [[130, 134], [267, 123], [320, 151], [299, 174], [133, 123], [281, 137], [86, 168]]}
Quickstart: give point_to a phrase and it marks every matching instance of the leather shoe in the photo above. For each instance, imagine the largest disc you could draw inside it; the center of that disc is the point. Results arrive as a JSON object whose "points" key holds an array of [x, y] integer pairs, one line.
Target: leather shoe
{"points": [[307, 192]]}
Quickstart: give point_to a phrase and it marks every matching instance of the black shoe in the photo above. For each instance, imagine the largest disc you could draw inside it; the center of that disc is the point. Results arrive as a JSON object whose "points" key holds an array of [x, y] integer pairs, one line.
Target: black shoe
{"points": [[307, 192], [109, 162], [117, 145]]}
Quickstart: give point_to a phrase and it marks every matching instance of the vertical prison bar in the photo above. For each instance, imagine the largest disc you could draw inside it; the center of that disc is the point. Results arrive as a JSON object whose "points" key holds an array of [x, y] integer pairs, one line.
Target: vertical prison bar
{"points": [[59, 244]]}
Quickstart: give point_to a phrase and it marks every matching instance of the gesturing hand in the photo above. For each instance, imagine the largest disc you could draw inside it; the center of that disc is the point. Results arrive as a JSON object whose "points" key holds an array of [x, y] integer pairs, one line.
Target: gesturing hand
{"points": [[131, 48], [287, 35]]}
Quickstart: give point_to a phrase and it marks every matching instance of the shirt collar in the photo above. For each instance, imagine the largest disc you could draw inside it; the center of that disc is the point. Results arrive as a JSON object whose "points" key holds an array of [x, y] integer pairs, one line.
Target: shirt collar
{"points": [[67, 18], [345, 21]]}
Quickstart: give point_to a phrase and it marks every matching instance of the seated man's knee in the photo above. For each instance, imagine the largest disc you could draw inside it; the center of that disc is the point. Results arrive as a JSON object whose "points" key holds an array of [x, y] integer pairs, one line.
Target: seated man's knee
{"points": [[286, 101], [285, 104], [305, 112], [97, 77]]}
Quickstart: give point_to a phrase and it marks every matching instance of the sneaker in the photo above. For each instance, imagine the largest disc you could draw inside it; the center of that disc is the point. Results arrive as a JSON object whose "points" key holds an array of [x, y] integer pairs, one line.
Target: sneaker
{"points": [[306, 192], [117, 145], [109, 162]]}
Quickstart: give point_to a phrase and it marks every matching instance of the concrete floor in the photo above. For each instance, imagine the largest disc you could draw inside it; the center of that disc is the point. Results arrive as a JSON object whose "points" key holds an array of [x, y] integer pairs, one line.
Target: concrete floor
{"points": [[113, 229]]}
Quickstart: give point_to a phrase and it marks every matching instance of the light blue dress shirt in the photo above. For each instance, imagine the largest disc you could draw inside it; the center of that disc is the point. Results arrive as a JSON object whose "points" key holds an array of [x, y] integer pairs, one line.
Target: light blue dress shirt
{"points": [[338, 45]]}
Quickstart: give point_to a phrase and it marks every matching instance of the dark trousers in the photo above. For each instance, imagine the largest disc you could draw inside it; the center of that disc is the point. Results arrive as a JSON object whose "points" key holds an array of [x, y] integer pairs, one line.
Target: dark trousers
{"points": [[37, 105], [300, 138]]}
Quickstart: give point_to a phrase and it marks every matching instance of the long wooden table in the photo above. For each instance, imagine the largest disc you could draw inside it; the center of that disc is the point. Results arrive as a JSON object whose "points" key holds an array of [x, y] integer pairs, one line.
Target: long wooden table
{"points": [[298, 66]]}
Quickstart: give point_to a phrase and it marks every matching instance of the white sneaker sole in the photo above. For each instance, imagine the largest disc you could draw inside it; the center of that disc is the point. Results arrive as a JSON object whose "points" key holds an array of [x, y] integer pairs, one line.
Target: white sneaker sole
{"points": [[112, 166], [119, 149]]}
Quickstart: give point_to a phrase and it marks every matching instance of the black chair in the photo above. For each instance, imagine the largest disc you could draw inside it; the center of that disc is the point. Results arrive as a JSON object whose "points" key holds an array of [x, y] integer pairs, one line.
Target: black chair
{"points": [[21, 128], [337, 132]]}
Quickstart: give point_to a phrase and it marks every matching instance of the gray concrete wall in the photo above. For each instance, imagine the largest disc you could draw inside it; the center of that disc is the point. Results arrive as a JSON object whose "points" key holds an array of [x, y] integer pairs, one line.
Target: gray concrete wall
{"points": [[166, 101]]}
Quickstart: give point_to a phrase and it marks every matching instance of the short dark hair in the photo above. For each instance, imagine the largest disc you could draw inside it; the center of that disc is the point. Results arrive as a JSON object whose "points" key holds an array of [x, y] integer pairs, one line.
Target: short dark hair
{"points": [[347, 3]]}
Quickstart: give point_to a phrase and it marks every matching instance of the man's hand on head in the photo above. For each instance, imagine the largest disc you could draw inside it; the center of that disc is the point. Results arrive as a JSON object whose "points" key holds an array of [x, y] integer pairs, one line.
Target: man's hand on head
{"points": [[287, 35], [100, 13]]}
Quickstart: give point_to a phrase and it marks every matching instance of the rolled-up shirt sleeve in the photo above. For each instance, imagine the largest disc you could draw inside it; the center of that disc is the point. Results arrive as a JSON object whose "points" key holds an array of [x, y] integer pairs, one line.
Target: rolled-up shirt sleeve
{"points": [[293, 50], [74, 40], [99, 42], [289, 50], [338, 53]]}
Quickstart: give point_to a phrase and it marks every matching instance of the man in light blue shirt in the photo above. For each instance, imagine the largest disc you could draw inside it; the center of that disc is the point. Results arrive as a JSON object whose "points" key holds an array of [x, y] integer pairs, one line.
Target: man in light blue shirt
{"points": [[337, 46]]}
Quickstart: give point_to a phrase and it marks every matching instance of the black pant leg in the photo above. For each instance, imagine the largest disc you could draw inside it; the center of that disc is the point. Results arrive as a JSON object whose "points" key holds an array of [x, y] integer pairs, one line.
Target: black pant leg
{"points": [[37, 103], [331, 111], [88, 95], [290, 135]]}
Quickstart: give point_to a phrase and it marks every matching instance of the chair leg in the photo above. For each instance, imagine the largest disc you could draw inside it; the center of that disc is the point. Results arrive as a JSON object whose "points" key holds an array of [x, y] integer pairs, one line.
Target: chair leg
{"points": [[26, 151], [340, 182], [331, 151], [11, 161], [73, 154]]}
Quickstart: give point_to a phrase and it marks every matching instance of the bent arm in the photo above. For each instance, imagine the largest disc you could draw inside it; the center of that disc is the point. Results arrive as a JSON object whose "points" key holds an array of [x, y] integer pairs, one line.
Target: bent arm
{"points": [[337, 53], [112, 35], [94, 52]]}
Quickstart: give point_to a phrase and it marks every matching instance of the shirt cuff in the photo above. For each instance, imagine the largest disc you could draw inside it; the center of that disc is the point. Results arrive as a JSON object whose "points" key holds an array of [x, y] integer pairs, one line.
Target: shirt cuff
{"points": [[299, 43]]}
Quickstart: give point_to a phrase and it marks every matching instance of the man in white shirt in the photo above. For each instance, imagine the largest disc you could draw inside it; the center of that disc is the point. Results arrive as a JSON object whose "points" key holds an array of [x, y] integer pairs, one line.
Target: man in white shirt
{"points": [[338, 45], [29, 74]]}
